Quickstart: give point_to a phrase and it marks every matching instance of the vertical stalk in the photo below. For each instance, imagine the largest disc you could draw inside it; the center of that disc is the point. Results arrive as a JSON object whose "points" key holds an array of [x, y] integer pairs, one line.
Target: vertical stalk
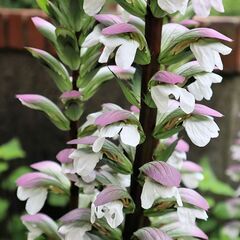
{"points": [[144, 153], [73, 134]]}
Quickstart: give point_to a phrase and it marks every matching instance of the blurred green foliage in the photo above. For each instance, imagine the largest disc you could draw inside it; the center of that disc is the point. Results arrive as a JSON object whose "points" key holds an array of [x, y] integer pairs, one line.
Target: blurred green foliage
{"points": [[232, 7], [18, 3], [217, 193], [9, 152]]}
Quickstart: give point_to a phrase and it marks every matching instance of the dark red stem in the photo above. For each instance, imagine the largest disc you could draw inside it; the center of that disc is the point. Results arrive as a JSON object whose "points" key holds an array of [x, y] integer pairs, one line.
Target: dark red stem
{"points": [[144, 153], [73, 134]]}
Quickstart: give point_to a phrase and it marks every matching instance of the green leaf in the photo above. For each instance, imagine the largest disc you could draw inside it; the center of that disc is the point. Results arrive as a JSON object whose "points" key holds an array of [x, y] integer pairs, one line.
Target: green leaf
{"points": [[161, 131], [74, 110], [156, 10], [4, 205], [19, 231], [89, 130], [95, 80], [128, 93], [58, 15], [67, 48], [10, 182], [167, 133], [164, 154], [58, 200], [137, 8], [116, 159], [11, 150], [3, 167], [105, 232], [38, 102], [211, 183], [56, 69], [89, 60], [43, 5]]}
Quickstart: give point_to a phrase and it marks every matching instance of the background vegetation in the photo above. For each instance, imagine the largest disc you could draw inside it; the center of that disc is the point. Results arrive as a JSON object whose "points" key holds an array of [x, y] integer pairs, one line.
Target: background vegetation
{"points": [[232, 7]]}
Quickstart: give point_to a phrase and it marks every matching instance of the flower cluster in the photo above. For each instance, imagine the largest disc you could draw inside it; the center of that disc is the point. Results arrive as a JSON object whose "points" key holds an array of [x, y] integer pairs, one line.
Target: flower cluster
{"points": [[103, 153]]}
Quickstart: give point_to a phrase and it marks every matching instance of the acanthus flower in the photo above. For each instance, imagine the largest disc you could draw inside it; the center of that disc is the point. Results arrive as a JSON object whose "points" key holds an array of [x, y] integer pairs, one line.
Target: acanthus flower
{"points": [[201, 8], [119, 35], [110, 204], [40, 224], [161, 93], [34, 187], [76, 225], [161, 182], [191, 173]]}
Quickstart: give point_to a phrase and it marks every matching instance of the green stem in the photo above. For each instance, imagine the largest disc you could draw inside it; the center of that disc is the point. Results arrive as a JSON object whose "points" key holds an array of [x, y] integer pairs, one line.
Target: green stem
{"points": [[144, 153]]}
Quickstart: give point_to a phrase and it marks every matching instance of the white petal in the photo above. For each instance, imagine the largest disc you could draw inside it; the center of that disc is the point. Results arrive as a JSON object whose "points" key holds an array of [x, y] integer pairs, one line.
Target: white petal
{"points": [[93, 38], [130, 135], [176, 159], [187, 101], [192, 180], [114, 215], [204, 55], [107, 51], [93, 210], [36, 202], [98, 144], [92, 7], [34, 231], [201, 88], [200, 91], [189, 215], [201, 130], [218, 5], [160, 95], [172, 6], [220, 47], [201, 7], [24, 193], [110, 131], [152, 191], [125, 54], [84, 163], [112, 42]]}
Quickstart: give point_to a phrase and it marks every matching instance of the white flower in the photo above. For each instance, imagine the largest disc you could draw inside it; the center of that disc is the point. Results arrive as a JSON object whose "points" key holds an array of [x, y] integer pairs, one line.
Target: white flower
{"points": [[189, 215], [75, 231], [125, 53], [203, 7], [112, 211], [207, 54], [172, 6], [201, 129], [201, 88], [128, 133], [84, 162], [33, 231], [176, 159], [35, 197], [160, 95], [92, 7], [152, 191], [191, 180]]}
